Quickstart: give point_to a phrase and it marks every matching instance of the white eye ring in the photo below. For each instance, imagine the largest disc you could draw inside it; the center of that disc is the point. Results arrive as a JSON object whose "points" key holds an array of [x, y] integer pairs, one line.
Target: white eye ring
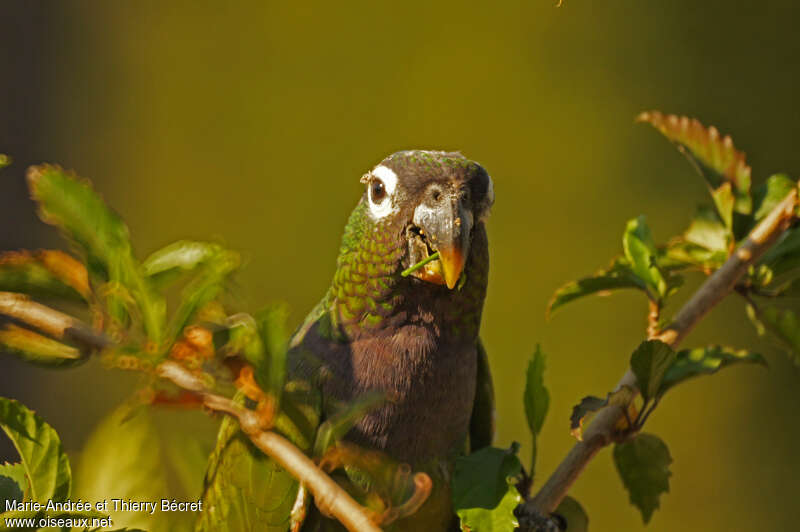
{"points": [[385, 206]]}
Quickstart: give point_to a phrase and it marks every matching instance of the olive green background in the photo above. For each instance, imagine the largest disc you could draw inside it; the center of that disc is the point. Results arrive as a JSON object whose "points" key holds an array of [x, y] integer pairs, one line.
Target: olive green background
{"points": [[251, 122]]}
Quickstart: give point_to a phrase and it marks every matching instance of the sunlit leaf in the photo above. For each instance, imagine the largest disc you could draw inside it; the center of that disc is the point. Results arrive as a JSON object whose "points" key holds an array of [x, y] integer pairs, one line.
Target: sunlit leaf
{"points": [[643, 464], [705, 361], [536, 399], [714, 156], [44, 273], [484, 492], [640, 250], [38, 349], [649, 363], [73, 206], [573, 513], [39, 447], [173, 260], [13, 483], [272, 325], [785, 325], [707, 231], [767, 196], [5, 160], [619, 275]]}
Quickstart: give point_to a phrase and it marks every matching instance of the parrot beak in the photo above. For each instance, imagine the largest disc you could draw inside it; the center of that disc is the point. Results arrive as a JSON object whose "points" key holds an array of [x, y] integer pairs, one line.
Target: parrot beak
{"points": [[446, 228]]}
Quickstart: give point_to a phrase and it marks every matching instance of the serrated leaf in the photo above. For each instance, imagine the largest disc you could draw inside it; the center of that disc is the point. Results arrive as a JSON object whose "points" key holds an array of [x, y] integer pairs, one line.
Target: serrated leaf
{"points": [[46, 464], [536, 399], [643, 464], [38, 349], [484, 494], [203, 289], [649, 363], [785, 325], [619, 275], [705, 361], [13, 483], [714, 156], [640, 250], [573, 513], [74, 207], [44, 273], [769, 194], [587, 405]]}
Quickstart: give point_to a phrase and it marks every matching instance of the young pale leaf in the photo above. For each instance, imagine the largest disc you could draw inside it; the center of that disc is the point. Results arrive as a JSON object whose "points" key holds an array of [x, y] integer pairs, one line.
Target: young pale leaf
{"points": [[704, 361], [73, 206], [573, 513], [38, 349], [619, 275], [769, 194], [643, 464], [640, 250], [707, 231], [724, 201], [44, 273], [39, 447], [184, 256], [13, 483], [536, 398], [785, 325], [714, 156], [484, 494], [649, 363]]}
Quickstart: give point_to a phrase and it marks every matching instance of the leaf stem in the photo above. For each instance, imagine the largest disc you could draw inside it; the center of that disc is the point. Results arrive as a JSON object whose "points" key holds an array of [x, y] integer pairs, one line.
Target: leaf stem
{"points": [[411, 269]]}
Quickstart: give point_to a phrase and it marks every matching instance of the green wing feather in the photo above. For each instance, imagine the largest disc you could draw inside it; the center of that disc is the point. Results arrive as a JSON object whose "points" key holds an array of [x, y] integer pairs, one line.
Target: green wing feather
{"points": [[481, 425]]}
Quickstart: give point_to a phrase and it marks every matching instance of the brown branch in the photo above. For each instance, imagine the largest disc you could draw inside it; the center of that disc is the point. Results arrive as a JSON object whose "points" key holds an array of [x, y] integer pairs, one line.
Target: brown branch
{"points": [[329, 497], [712, 291]]}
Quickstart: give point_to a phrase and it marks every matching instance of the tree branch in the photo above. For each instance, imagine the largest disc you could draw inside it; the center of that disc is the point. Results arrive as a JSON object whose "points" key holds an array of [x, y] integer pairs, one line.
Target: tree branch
{"points": [[712, 291], [329, 497]]}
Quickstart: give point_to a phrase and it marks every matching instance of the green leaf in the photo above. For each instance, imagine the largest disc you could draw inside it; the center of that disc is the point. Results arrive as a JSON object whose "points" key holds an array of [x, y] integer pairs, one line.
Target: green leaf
{"points": [[619, 275], [713, 156], [649, 363], [536, 398], [785, 325], [44, 273], [272, 326], [643, 464], [724, 201], [704, 361], [340, 423], [484, 494], [640, 250], [73, 206], [784, 255], [184, 256], [13, 483], [769, 194], [37, 349], [707, 231], [39, 447], [203, 289], [588, 404], [128, 457], [573, 513], [5, 160]]}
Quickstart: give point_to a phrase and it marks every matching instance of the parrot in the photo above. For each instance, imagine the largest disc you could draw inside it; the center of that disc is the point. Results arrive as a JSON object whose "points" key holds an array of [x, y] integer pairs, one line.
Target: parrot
{"points": [[383, 326]]}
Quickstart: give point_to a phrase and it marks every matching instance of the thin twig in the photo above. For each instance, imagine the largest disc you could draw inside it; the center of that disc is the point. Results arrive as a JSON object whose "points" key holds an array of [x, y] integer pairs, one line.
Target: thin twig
{"points": [[328, 495], [715, 288]]}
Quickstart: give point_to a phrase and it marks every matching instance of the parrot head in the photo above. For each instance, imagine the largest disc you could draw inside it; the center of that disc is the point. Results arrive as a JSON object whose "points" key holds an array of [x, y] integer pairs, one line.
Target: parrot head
{"points": [[429, 201]]}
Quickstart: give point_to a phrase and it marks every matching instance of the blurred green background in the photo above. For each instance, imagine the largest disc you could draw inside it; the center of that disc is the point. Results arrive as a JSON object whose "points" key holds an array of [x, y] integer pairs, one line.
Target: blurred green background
{"points": [[251, 122]]}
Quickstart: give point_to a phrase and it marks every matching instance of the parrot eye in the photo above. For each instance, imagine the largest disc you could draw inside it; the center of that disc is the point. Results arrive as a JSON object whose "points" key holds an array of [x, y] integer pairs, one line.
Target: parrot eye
{"points": [[377, 191]]}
